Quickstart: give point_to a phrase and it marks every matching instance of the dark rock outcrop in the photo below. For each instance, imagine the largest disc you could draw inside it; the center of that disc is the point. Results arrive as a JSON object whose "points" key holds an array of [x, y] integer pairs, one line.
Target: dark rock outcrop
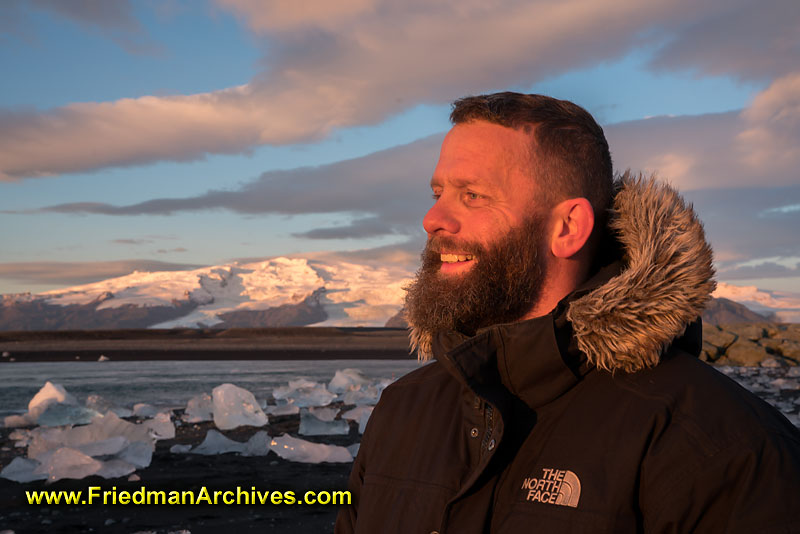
{"points": [[38, 314], [760, 344], [307, 312]]}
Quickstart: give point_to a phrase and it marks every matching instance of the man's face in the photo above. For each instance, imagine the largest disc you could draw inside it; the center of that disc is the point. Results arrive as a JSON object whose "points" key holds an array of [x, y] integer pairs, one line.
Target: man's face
{"points": [[484, 260], [483, 188]]}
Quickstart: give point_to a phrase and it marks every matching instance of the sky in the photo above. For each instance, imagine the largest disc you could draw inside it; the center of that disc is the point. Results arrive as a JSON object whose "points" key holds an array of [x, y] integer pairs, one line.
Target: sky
{"points": [[163, 135]]}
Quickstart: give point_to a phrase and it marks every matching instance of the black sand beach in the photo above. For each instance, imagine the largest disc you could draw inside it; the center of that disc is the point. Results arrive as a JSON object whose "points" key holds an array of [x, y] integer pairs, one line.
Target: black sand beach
{"points": [[182, 472]]}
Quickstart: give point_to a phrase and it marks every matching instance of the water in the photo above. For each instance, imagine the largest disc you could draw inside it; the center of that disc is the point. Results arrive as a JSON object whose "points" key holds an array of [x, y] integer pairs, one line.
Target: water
{"points": [[172, 383]]}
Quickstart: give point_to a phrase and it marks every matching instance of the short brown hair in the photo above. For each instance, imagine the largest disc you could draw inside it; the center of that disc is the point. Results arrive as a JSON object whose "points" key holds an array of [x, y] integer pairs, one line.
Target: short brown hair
{"points": [[570, 151]]}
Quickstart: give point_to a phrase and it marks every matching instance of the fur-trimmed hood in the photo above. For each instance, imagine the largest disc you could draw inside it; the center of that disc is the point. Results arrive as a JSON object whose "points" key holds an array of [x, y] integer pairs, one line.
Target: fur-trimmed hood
{"points": [[627, 322]]}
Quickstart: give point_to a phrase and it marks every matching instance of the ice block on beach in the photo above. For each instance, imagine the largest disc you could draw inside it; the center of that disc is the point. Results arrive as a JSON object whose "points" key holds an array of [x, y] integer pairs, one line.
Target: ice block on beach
{"points": [[311, 425], [347, 379], [235, 406], [298, 450], [216, 443], [199, 408]]}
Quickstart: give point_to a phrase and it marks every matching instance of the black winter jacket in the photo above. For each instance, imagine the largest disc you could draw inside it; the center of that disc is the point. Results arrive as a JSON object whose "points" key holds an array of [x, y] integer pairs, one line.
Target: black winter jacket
{"points": [[565, 423]]}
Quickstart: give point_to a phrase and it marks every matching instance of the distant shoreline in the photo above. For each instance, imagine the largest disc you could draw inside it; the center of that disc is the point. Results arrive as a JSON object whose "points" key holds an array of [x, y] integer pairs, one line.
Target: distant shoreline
{"points": [[290, 343]]}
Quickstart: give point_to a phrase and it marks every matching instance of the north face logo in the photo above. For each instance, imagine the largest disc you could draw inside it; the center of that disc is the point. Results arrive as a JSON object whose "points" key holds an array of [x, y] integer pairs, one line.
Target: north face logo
{"points": [[555, 486]]}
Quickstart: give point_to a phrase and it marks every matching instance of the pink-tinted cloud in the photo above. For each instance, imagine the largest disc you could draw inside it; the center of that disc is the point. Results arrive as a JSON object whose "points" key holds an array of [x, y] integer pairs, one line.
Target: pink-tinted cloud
{"points": [[770, 140], [757, 146], [339, 64]]}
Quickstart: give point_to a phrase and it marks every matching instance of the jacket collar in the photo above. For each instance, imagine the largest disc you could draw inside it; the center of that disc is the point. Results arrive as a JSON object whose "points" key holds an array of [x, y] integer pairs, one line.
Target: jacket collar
{"points": [[622, 320]]}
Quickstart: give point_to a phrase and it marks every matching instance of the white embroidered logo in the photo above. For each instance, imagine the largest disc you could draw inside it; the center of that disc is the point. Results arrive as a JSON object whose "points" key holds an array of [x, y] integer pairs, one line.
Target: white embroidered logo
{"points": [[555, 486]]}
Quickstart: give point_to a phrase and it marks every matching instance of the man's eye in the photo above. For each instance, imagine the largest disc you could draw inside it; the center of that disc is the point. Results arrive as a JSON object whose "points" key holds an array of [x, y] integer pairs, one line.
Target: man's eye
{"points": [[473, 196]]}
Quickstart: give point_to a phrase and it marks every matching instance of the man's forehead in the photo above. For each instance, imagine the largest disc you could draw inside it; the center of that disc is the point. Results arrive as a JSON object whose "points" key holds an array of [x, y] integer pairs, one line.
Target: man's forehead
{"points": [[471, 150]]}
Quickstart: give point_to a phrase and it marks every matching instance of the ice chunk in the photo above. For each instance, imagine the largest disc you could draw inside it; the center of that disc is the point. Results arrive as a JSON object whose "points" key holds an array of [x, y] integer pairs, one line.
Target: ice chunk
{"points": [[324, 414], [14, 421], [58, 414], [180, 448], [199, 408], [216, 443], [304, 393], [298, 450], [22, 437], [282, 409], [161, 426], [355, 413], [49, 394], [98, 404], [368, 395], [102, 427], [235, 406], [104, 358], [105, 447], [138, 453], [362, 421], [347, 380], [294, 385], [360, 414], [258, 444], [68, 463], [143, 409], [22, 470], [310, 425], [122, 412], [115, 468]]}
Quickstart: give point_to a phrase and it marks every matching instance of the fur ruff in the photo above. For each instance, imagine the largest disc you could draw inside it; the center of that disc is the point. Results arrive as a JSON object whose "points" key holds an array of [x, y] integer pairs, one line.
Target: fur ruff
{"points": [[627, 323]]}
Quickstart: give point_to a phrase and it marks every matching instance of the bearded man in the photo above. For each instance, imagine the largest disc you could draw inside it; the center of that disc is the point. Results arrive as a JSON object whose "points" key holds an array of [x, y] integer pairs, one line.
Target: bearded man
{"points": [[562, 310]]}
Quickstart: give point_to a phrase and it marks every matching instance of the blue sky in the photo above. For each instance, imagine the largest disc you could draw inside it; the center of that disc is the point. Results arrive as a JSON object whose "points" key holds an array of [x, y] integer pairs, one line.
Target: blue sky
{"points": [[160, 135]]}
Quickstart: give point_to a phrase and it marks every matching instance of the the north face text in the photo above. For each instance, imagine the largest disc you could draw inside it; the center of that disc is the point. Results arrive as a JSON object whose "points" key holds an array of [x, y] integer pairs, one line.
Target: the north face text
{"points": [[555, 486]]}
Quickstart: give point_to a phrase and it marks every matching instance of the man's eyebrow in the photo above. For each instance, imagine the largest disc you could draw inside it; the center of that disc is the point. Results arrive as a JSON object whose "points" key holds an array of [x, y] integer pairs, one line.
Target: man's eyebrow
{"points": [[455, 182]]}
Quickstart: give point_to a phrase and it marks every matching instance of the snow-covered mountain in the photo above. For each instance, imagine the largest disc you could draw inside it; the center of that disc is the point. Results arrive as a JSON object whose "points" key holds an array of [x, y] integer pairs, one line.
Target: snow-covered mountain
{"points": [[276, 292]]}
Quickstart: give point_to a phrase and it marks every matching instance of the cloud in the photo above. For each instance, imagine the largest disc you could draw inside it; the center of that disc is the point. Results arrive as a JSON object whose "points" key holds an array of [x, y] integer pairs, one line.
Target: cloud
{"points": [[113, 19], [356, 62], [739, 231], [748, 40], [762, 270], [759, 145], [771, 138], [76, 273], [386, 192], [126, 241], [358, 229]]}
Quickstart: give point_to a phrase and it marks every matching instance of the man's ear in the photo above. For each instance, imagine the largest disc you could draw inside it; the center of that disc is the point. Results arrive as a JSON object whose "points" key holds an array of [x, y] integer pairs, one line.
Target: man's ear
{"points": [[572, 223]]}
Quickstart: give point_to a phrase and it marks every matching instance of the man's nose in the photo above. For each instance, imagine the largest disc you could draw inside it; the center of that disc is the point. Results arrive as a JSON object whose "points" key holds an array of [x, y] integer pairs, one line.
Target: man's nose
{"points": [[440, 218]]}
